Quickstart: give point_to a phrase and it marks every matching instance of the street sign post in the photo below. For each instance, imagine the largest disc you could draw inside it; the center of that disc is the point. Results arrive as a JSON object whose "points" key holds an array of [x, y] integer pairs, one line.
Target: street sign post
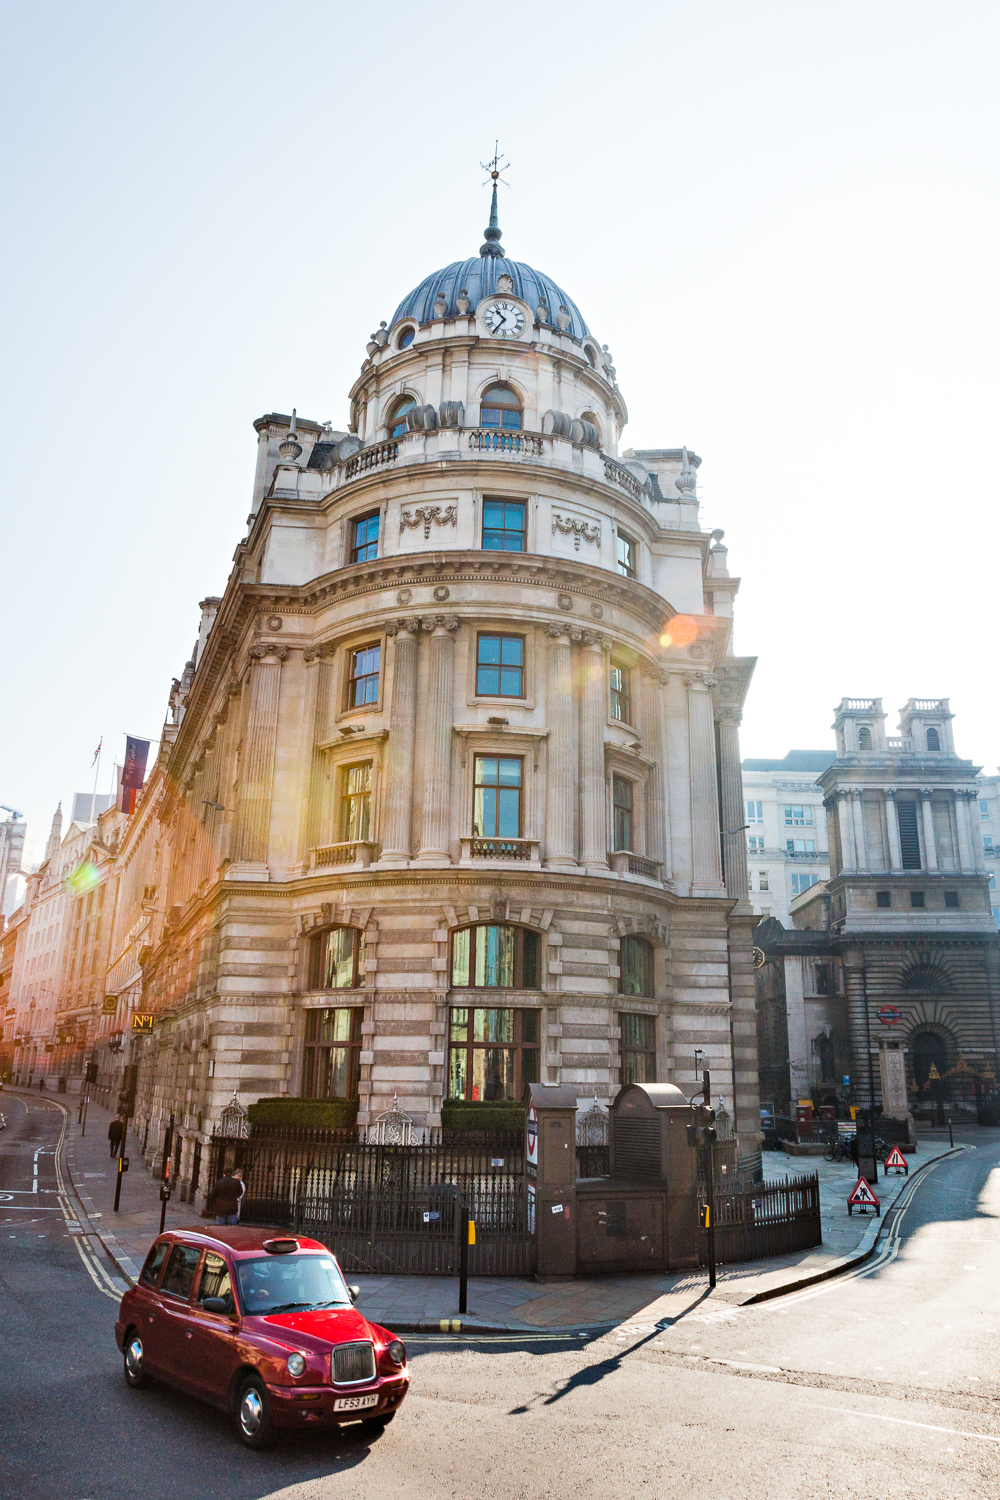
{"points": [[863, 1197], [896, 1162]]}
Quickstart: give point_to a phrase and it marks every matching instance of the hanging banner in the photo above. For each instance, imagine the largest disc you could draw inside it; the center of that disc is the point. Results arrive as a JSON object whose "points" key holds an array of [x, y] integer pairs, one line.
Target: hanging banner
{"points": [[133, 772]]}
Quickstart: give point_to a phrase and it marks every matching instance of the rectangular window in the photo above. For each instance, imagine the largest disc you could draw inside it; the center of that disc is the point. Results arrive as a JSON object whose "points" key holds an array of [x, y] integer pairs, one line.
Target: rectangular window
{"points": [[951, 900], [364, 538], [984, 811], [362, 685], [635, 960], [638, 1048], [755, 812], [621, 693], [763, 880], [755, 841], [916, 899], [909, 838], [339, 959], [798, 817], [996, 914], [500, 666], [355, 802], [987, 843], [993, 880], [622, 790], [332, 1053], [492, 1054], [626, 555], [883, 898], [496, 811], [800, 846], [802, 883], [503, 525], [495, 957]]}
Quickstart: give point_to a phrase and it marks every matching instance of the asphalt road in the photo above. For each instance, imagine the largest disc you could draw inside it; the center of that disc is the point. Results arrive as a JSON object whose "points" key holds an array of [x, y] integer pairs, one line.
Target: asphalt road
{"points": [[883, 1383]]}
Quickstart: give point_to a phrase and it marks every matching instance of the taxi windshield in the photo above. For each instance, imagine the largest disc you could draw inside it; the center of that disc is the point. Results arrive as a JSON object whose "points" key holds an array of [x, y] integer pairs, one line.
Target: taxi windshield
{"points": [[290, 1283]]}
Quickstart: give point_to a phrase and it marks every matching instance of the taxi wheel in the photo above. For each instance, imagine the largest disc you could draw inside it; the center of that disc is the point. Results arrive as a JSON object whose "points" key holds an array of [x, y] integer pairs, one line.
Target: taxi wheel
{"points": [[134, 1361], [253, 1415]]}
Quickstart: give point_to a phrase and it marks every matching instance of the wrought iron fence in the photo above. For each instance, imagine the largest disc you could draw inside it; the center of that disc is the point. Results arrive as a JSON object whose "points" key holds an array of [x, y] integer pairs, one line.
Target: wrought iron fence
{"points": [[388, 1208], [773, 1218]]}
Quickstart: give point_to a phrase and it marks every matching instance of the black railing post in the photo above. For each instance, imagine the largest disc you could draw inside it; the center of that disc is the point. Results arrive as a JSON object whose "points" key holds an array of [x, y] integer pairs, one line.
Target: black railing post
{"points": [[466, 1229]]}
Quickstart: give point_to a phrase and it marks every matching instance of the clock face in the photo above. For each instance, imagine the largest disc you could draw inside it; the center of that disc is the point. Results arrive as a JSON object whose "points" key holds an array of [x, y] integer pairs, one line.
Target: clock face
{"points": [[505, 320]]}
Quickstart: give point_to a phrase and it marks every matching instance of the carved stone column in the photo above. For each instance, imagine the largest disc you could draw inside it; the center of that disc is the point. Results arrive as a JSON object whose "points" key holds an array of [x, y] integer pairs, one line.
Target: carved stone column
{"points": [[676, 740], [651, 730], [435, 835], [846, 825], [966, 857], [560, 829], [860, 841], [892, 827], [930, 843], [593, 717], [734, 844], [260, 737], [398, 796], [706, 860]]}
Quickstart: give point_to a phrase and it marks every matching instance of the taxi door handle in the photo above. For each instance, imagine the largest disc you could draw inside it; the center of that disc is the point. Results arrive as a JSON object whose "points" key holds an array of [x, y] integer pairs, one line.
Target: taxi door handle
{"points": [[187, 1333]]}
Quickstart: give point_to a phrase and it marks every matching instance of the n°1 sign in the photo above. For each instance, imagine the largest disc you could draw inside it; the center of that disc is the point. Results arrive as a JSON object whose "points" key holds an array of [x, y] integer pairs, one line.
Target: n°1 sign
{"points": [[142, 1021], [889, 1015]]}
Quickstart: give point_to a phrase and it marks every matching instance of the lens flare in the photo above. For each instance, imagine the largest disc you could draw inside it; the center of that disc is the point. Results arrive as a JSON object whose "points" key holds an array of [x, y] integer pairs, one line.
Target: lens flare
{"points": [[681, 631], [83, 879]]}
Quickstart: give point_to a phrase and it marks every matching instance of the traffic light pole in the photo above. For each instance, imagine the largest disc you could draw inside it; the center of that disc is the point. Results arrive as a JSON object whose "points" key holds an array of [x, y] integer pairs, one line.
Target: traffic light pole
{"points": [[709, 1179], [165, 1173]]}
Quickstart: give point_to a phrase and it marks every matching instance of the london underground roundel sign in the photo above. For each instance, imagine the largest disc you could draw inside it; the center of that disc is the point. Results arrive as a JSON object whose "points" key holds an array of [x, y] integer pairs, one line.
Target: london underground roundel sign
{"points": [[889, 1015], [531, 1138]]}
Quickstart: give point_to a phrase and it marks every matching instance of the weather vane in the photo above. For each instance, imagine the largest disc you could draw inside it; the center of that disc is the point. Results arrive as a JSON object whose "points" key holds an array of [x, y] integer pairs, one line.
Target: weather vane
{"points": [[496, 167]]}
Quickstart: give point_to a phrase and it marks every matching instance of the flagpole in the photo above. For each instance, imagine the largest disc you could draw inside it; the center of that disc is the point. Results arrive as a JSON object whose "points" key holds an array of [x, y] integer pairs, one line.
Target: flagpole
{"points": [[93, 800]]}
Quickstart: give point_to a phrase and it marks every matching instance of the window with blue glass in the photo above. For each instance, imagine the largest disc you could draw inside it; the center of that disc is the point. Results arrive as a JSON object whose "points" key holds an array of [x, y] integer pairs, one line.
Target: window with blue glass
{"points": [[397, 416], [365, 538], [503, 525], [362, 687], [500, 406], [496, 812], [500, 666]]}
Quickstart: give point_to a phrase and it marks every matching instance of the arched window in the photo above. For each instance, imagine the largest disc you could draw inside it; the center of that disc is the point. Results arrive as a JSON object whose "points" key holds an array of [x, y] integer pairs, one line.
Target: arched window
{"points": [[933, 740], [588, 349], [500, 406], [338, 959], [636, 959], [405, 338], [864, 738], [491, 955], [397, 416]]}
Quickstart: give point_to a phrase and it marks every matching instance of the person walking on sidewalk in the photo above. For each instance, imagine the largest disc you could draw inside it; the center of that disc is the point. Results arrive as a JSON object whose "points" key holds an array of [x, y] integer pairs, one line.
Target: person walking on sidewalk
{"points": [[116, 1134], [227, 1195]]}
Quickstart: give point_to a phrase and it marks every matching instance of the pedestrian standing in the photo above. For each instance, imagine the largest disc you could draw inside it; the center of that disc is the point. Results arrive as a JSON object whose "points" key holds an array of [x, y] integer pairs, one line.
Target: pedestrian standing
{"points": [[116, 1132], [226, 1196]]}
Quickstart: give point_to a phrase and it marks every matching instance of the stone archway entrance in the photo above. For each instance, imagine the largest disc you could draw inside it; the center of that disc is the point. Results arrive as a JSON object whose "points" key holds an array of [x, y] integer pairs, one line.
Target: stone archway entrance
{"points": [[929, 1052]]}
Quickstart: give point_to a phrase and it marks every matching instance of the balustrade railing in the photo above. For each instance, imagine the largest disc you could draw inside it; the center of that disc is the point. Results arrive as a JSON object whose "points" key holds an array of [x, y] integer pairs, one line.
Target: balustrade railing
{"points": [[616, 473], [353, 852], [494, 440], [490, 848], [372, 458]]}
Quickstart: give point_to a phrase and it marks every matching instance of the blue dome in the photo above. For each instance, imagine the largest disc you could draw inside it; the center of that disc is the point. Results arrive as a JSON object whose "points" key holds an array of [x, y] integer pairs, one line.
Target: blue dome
{"points": [[479, 275]]}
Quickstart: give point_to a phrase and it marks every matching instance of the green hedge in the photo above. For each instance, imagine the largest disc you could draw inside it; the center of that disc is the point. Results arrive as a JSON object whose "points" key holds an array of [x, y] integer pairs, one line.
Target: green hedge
{"points": [[310, 1114], [462, 1114]]}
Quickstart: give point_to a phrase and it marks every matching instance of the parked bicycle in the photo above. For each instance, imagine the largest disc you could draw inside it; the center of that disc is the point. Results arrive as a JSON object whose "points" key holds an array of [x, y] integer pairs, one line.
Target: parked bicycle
{"points": [[842, 1149]]}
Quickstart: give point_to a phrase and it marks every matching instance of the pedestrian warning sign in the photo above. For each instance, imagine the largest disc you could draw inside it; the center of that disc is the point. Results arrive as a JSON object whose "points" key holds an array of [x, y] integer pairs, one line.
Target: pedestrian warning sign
{"points": [[897, 1161], [862, 1196]]}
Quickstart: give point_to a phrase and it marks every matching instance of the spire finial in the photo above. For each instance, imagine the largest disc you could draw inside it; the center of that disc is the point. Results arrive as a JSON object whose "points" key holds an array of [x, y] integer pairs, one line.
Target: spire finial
{"points": [[495, 168]]}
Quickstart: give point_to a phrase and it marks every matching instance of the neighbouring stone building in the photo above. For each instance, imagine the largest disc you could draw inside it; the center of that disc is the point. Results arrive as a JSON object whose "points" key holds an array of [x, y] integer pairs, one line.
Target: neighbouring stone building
{"points": [[449, 798], [786, 830], [889, 977]]}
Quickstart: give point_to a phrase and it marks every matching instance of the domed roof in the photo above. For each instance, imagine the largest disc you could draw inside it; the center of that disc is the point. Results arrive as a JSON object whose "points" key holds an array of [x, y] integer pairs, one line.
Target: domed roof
{"points": [[478, 276]]}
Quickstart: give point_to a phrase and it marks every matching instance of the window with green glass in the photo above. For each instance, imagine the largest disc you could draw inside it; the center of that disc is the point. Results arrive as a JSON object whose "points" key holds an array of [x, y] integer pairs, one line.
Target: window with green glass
{"points": [[339, 959], [494, 956], [492, 1053], [636, 958], [638, 1048], [332, 1053], [355, 801]]}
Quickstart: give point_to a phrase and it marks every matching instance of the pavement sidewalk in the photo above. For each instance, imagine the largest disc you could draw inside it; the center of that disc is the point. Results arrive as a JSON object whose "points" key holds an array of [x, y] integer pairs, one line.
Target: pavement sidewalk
{"points": [[507, 1304]]}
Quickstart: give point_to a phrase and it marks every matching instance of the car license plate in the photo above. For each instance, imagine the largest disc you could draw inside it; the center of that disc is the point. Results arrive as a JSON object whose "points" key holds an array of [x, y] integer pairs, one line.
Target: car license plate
{"points": [[355, 1403]]}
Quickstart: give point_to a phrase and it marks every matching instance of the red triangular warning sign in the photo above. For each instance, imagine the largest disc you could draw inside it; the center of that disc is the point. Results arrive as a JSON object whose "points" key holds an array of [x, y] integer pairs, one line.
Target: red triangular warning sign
{"points": [[862, 1194], [895, 1158]]}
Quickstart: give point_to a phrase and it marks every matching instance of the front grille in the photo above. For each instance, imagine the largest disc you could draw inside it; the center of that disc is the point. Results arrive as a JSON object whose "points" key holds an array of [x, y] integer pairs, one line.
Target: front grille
{"points": [[353, 1363]]}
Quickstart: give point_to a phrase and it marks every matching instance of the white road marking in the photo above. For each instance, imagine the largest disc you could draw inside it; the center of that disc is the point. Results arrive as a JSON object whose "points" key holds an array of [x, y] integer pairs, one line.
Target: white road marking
{"points": [[903, 1422]]}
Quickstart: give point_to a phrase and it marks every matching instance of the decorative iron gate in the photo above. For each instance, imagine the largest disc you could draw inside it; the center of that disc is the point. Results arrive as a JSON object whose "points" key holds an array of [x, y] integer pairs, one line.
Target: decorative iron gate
{"points": [[397, 1209]]}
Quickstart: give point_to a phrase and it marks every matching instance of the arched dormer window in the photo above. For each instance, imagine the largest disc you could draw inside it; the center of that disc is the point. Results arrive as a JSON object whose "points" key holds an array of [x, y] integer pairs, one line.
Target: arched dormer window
{"points": [[591, 417], [500, 406], [494, 955], [338, 959], [405, 338], [933, 740], [396, 422], [864, 738]]}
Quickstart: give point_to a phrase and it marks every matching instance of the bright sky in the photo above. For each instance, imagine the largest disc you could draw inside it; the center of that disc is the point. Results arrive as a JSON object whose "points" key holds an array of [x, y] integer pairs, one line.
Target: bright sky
{"points": [[782, 218]]}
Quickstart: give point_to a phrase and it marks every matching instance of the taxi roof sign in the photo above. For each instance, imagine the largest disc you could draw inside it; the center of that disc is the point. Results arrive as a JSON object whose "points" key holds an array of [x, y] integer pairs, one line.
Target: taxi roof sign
{"points": [[863, 1196]]}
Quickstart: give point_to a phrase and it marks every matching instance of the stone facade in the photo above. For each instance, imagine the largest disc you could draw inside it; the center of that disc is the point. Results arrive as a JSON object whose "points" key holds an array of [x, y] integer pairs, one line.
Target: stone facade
{"points": [[470, 683]]}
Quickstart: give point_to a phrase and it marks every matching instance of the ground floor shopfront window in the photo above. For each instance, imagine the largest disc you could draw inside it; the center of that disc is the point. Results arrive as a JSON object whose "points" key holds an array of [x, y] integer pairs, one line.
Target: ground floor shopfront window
{"points": [[492, 1053]]}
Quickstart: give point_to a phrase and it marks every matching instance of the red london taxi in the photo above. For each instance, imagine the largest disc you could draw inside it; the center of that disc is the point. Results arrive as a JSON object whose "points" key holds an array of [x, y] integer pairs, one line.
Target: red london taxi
{"points": [[263, 1325]]}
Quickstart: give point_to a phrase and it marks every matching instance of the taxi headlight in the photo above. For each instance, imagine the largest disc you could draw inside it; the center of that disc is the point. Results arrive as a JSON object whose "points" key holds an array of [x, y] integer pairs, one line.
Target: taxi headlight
{"points": [[296, 1364], [397, 1352]]}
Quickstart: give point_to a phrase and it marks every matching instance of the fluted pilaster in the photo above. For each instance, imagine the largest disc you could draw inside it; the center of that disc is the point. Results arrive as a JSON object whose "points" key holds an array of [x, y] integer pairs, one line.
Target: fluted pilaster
{"points": [[560, 830], [651, 729], [892, 827], [434, 845], [593, 716], [706, 861], [930, 842], [966, 858], [253, 811], [398, 798], [846, 824], [734, 844], [860, 841], [678, 778]]}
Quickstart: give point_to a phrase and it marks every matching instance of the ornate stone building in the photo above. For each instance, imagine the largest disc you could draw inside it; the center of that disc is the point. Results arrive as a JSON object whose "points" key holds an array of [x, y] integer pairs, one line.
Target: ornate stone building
{"points": [[450, 798]]}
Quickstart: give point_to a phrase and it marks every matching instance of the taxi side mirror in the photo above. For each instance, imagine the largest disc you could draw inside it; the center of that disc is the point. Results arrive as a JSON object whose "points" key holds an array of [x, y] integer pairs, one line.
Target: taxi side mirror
{"points": [[355, 1292], [218, 1305]]}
